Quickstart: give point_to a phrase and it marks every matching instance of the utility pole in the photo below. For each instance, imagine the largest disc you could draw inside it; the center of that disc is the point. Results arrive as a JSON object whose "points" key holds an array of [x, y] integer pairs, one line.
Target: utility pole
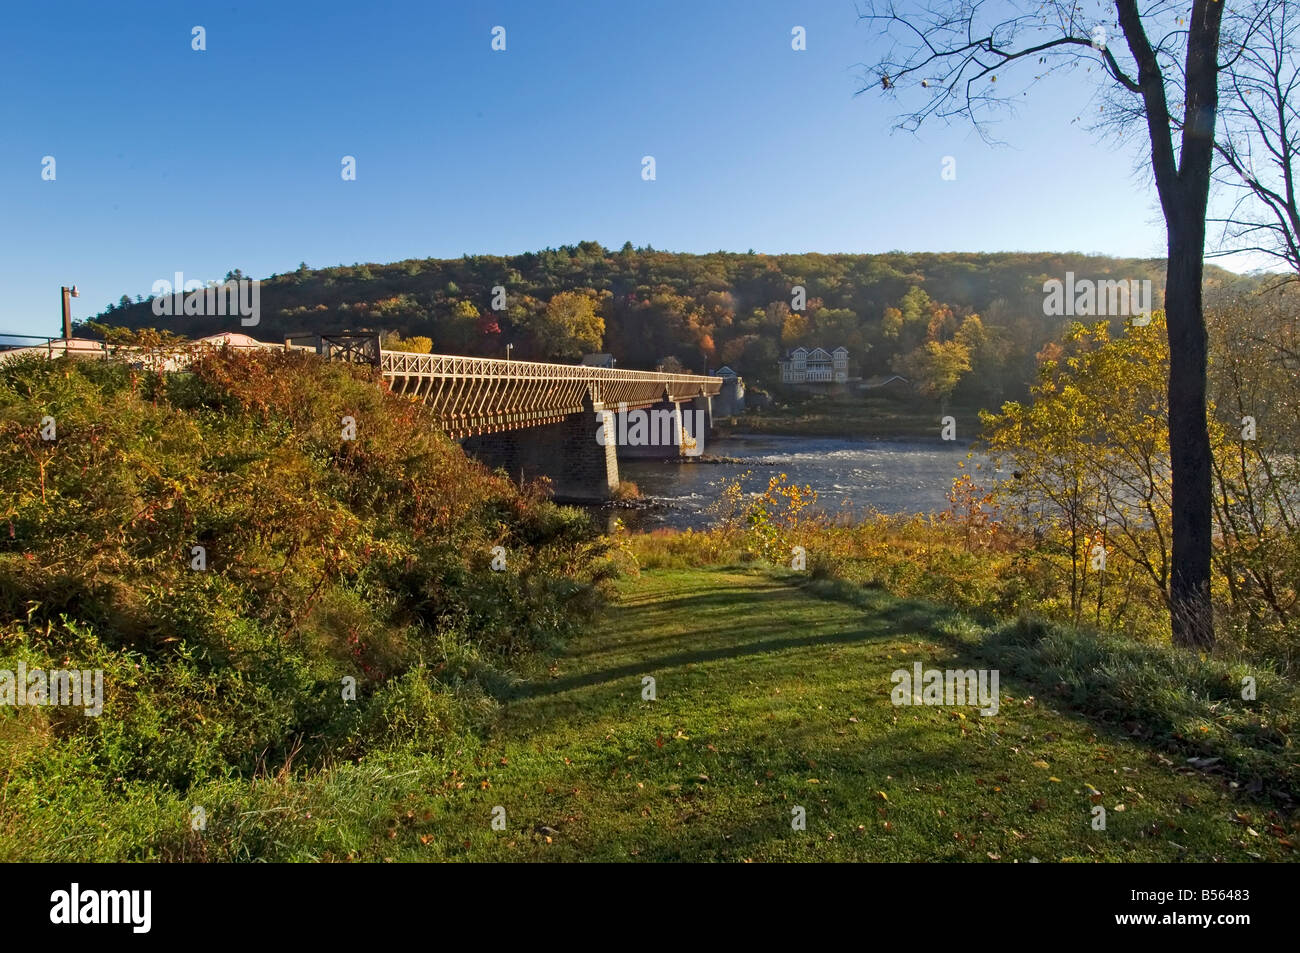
{"points": [[68, 293]]}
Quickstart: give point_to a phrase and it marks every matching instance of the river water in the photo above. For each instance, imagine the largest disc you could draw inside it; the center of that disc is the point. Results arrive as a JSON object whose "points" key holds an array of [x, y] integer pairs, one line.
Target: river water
{"points": [[891, 476]]}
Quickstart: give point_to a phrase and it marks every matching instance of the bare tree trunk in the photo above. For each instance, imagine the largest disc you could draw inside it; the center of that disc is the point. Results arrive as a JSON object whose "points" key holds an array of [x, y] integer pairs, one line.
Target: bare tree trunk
{"points": [[1183, 181], [1189, 439]]}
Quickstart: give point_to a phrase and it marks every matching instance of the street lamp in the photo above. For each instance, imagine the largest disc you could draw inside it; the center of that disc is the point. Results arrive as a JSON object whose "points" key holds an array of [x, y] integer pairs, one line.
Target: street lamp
{"points": [[509, 348], [67, 309]]}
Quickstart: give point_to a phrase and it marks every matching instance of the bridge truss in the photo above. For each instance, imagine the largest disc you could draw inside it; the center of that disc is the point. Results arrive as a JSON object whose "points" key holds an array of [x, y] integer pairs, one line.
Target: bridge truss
{"points": [[475, 395]]}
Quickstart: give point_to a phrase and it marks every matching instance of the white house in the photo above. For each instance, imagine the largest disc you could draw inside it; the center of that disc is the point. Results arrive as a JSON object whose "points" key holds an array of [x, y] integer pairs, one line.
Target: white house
{"points": [[818, 366]]}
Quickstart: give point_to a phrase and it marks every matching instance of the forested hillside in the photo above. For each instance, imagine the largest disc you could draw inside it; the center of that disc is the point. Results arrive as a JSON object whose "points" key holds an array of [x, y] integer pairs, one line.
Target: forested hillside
{"points": [[975, 321]]}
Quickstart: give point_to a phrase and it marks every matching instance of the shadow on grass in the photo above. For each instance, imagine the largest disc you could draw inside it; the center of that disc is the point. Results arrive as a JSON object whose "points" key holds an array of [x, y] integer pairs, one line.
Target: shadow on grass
{"points": [[1153, 695], [725, 600]]}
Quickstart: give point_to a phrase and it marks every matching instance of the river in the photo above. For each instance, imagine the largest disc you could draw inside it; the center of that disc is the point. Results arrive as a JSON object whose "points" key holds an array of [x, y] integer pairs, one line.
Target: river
{"points": [[891, 476]]}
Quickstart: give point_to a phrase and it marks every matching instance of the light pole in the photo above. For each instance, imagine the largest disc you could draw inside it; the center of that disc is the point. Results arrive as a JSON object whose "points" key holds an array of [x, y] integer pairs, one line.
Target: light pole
{"points": [[509, 348], [68, 293]]}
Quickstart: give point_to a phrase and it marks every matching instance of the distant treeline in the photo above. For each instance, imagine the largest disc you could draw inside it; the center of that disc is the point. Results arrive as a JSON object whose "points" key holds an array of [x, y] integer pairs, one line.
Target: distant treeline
{"points": [[972, 325]]}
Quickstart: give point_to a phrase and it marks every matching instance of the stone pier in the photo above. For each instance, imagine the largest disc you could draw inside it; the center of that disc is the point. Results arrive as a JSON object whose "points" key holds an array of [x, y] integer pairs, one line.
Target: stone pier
{"points": [[568, 452], [650, 433]]}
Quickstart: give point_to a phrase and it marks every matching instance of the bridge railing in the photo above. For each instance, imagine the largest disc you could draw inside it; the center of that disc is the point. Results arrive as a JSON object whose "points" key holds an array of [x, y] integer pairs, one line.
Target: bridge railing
{"points": [[12, 345], [454, 365]]}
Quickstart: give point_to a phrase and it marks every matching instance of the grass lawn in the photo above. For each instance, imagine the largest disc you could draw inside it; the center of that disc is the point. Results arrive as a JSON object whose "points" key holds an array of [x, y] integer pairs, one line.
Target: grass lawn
{"points": [[770, 698]]}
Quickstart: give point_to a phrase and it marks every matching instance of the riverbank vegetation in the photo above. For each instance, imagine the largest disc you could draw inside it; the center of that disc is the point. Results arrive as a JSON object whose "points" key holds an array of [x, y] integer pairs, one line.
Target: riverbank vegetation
{"points": [[278, 565], [872, 418]]}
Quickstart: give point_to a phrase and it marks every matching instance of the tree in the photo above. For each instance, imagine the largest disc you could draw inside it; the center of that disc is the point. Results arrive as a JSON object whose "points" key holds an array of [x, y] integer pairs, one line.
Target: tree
{"points": [[401, 310], [935, 368], [840, 326], [1259, 139], [973, 334], [892, 323], [413, 345], [987, 354], [794, 329], [459, 332], [957, 54], [1090, 450], [1254, 384], [570, 326], [915, 306]]}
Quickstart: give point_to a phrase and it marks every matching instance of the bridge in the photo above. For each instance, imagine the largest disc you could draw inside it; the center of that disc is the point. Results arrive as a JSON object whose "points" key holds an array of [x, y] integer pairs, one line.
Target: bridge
{"points": [[529, 418]]}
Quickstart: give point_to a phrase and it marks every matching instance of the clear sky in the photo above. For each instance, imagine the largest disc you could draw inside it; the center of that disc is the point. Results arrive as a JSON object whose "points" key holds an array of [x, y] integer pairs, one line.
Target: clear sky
{"points": [[168, 159]]}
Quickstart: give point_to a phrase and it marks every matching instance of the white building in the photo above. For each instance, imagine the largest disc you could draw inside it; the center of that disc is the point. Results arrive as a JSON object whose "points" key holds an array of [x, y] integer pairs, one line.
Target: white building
{"points": [[818, 366]]}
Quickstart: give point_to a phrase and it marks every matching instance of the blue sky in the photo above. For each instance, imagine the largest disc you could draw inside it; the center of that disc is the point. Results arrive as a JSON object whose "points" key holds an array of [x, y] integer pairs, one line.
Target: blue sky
{"points": [[174, 160]]}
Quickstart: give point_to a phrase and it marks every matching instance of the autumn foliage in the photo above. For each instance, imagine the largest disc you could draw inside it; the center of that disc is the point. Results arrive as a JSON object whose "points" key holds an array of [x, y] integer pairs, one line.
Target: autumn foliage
{"points": [[323, 558]]}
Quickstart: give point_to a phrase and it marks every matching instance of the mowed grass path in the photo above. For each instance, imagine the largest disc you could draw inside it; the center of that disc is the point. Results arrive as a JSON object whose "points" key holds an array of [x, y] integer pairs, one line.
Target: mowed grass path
{"points": [[769, 698]]}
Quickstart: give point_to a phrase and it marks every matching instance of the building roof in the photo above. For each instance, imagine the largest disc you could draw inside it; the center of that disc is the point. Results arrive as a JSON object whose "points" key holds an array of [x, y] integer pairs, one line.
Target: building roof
{"points": [[819, 352], [235, 339], [880, 380]]}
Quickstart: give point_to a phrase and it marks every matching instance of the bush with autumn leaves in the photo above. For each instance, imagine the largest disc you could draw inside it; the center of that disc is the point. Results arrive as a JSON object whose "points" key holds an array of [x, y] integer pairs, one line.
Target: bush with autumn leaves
{"points": [[214, 543]]}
